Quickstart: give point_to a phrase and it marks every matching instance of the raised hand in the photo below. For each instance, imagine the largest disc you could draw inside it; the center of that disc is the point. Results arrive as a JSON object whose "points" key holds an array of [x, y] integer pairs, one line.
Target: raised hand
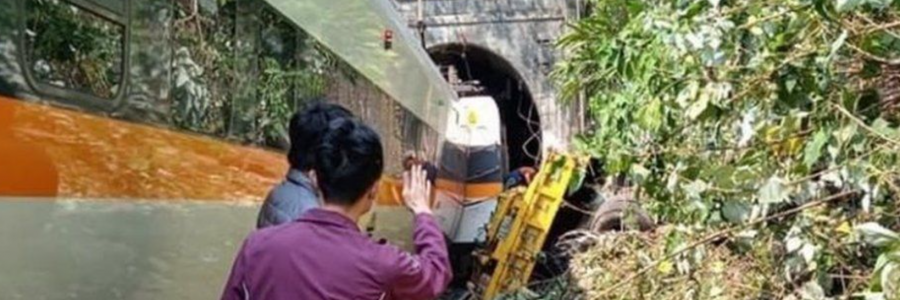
{"points": [[416, 190]]}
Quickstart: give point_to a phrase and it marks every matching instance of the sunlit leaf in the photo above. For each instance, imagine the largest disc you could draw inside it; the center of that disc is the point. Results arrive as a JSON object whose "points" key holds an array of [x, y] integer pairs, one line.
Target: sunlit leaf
{"points": [[687, 94], [837, 45], [666, 267], [890, 278], [695, 188], [846, 5], [813, 150], [698, 107], [844, 134], [650, 116], [756, 30], [876, 234], [792, 244], [808, 252], [879, 4], [773, 191], [884, 128], [746, 131], [844, 228], [871, 295]]}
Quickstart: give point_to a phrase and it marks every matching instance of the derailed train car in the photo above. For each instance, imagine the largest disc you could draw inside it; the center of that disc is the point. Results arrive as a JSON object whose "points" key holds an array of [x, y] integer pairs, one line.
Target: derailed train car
{"points": [[138, 137]]}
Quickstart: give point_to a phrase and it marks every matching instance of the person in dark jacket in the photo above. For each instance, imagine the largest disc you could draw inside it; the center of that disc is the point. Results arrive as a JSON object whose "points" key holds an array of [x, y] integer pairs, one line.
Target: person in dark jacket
{"points": [[324, 255], [519, 177], [297, 193]]}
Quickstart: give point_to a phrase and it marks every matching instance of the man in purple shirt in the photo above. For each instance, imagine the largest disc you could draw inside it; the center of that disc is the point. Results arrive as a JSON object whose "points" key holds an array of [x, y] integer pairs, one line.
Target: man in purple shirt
{"points": [[323, 255]]}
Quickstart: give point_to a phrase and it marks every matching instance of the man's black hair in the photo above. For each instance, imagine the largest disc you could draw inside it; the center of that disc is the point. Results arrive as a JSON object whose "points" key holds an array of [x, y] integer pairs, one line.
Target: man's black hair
{"points": [[307, 128], [349, 161]]}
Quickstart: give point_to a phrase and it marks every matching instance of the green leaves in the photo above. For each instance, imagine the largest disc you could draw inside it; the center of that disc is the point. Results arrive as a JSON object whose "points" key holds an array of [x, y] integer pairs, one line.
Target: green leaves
{"points": [[742, 109], [695, 189], [697, 107], [847, 5], [813, 150], [837, 45], [886, 277], [650, 117], [737, 212], [884, 129], [877, 235], [773, 191]]}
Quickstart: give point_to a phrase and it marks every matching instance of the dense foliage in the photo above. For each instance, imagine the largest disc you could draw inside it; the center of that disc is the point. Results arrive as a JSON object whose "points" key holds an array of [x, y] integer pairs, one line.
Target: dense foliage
{"points": [[228, 68], [767, 124], [211, 54], [74, 49]]}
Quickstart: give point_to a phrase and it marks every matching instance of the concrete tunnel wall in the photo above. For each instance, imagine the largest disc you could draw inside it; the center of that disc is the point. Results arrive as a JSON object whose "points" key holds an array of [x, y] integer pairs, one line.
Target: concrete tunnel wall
{"points": [[522, 32]]}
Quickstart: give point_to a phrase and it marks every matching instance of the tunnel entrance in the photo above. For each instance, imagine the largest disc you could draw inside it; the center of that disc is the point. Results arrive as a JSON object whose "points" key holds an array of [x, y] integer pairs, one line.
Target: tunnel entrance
{"points": [[521, 123]]}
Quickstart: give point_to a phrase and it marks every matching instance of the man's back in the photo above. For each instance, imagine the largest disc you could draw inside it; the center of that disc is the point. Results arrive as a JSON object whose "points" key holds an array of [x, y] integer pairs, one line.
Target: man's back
{"points": [[325, 256], [287, 201]]}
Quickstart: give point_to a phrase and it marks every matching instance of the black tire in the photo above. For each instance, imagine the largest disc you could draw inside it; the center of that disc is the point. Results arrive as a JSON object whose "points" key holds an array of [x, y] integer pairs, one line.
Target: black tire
{"points": [[613, 213]]}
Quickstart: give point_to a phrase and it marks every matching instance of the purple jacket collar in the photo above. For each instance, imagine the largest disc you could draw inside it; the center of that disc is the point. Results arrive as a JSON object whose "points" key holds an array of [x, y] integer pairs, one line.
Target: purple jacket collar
{"points": [[329, 218]]}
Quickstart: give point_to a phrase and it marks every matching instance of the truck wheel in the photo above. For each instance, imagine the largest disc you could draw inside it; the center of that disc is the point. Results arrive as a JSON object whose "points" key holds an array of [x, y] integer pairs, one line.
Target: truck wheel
{"points": [[619, 214]]}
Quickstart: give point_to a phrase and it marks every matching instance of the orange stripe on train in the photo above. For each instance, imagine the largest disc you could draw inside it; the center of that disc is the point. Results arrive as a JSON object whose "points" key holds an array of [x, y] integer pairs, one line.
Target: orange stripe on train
{"points": [[390, 188], [48, 151]]}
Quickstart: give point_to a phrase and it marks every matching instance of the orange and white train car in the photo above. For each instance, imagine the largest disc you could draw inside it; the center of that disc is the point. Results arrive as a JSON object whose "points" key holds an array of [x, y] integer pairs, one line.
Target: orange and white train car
{"points": [[137, 138]]}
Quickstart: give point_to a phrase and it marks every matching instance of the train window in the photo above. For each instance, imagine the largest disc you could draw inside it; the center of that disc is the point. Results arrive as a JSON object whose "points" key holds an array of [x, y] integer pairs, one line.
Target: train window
{"points": [[202, 72], [149, 62], [290, 73], [72, 48], [238, 70]]}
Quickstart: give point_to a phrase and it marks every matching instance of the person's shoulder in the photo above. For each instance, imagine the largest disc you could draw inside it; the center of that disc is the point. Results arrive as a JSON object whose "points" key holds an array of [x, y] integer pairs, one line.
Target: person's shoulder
{"points": [[257, 236], [285, 204], [291, 194], [270, 232], [298, 184], [265, 238], [288, 187]]}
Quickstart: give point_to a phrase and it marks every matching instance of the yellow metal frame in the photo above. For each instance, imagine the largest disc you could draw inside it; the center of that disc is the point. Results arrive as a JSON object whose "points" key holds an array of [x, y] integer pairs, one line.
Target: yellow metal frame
{"points": [[519, 227]]}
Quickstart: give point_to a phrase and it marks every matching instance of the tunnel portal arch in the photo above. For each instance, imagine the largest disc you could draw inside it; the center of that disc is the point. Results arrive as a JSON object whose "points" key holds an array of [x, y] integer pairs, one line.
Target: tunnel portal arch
{"points": [[518, 113]]}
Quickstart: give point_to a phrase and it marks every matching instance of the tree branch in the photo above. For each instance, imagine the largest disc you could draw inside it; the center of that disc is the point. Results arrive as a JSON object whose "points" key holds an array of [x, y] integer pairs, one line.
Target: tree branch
{"points": [[724, 232], [195, 9], [870, 56], [862, 124]]}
